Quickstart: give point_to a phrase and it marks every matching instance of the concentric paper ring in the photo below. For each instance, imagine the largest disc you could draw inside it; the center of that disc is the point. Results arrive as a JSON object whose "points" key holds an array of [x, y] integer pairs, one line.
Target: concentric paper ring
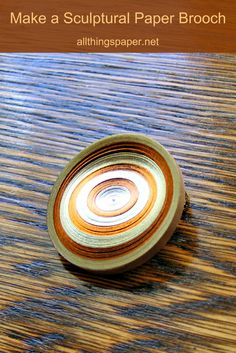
{"points": [[116, 203]]}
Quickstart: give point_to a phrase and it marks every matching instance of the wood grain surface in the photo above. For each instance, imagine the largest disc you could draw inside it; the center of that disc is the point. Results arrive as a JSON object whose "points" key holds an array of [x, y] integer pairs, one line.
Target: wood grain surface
{"points": [[51, 107]]}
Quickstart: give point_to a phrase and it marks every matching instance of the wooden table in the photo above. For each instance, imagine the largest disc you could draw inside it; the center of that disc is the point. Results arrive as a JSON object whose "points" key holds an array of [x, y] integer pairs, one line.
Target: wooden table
{"points": [[54, 105]]}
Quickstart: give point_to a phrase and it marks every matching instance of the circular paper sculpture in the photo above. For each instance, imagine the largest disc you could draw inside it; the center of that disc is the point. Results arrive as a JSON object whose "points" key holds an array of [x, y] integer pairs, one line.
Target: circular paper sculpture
{"points": [[116, 203]]}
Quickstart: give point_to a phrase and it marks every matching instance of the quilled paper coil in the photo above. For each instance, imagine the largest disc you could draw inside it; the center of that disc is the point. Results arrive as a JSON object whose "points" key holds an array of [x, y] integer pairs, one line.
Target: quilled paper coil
{"points": [[116, 203]]}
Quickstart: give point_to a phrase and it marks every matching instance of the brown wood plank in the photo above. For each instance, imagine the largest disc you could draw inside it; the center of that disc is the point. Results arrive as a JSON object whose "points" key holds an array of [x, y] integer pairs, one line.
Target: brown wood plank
{"points": [[54, 105]]}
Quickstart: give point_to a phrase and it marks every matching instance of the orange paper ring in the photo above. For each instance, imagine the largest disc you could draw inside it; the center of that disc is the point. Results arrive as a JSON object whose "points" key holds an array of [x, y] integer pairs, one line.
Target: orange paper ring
{"points": [[116, 203]]}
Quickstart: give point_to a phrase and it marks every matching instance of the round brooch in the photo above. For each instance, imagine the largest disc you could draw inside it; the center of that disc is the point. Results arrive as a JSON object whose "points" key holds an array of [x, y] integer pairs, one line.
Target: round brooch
{"points": [[116, 203]]}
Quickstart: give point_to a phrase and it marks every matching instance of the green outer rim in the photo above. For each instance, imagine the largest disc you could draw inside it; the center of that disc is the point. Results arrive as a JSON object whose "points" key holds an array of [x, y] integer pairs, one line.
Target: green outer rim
{"points": [[164, 232]]}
